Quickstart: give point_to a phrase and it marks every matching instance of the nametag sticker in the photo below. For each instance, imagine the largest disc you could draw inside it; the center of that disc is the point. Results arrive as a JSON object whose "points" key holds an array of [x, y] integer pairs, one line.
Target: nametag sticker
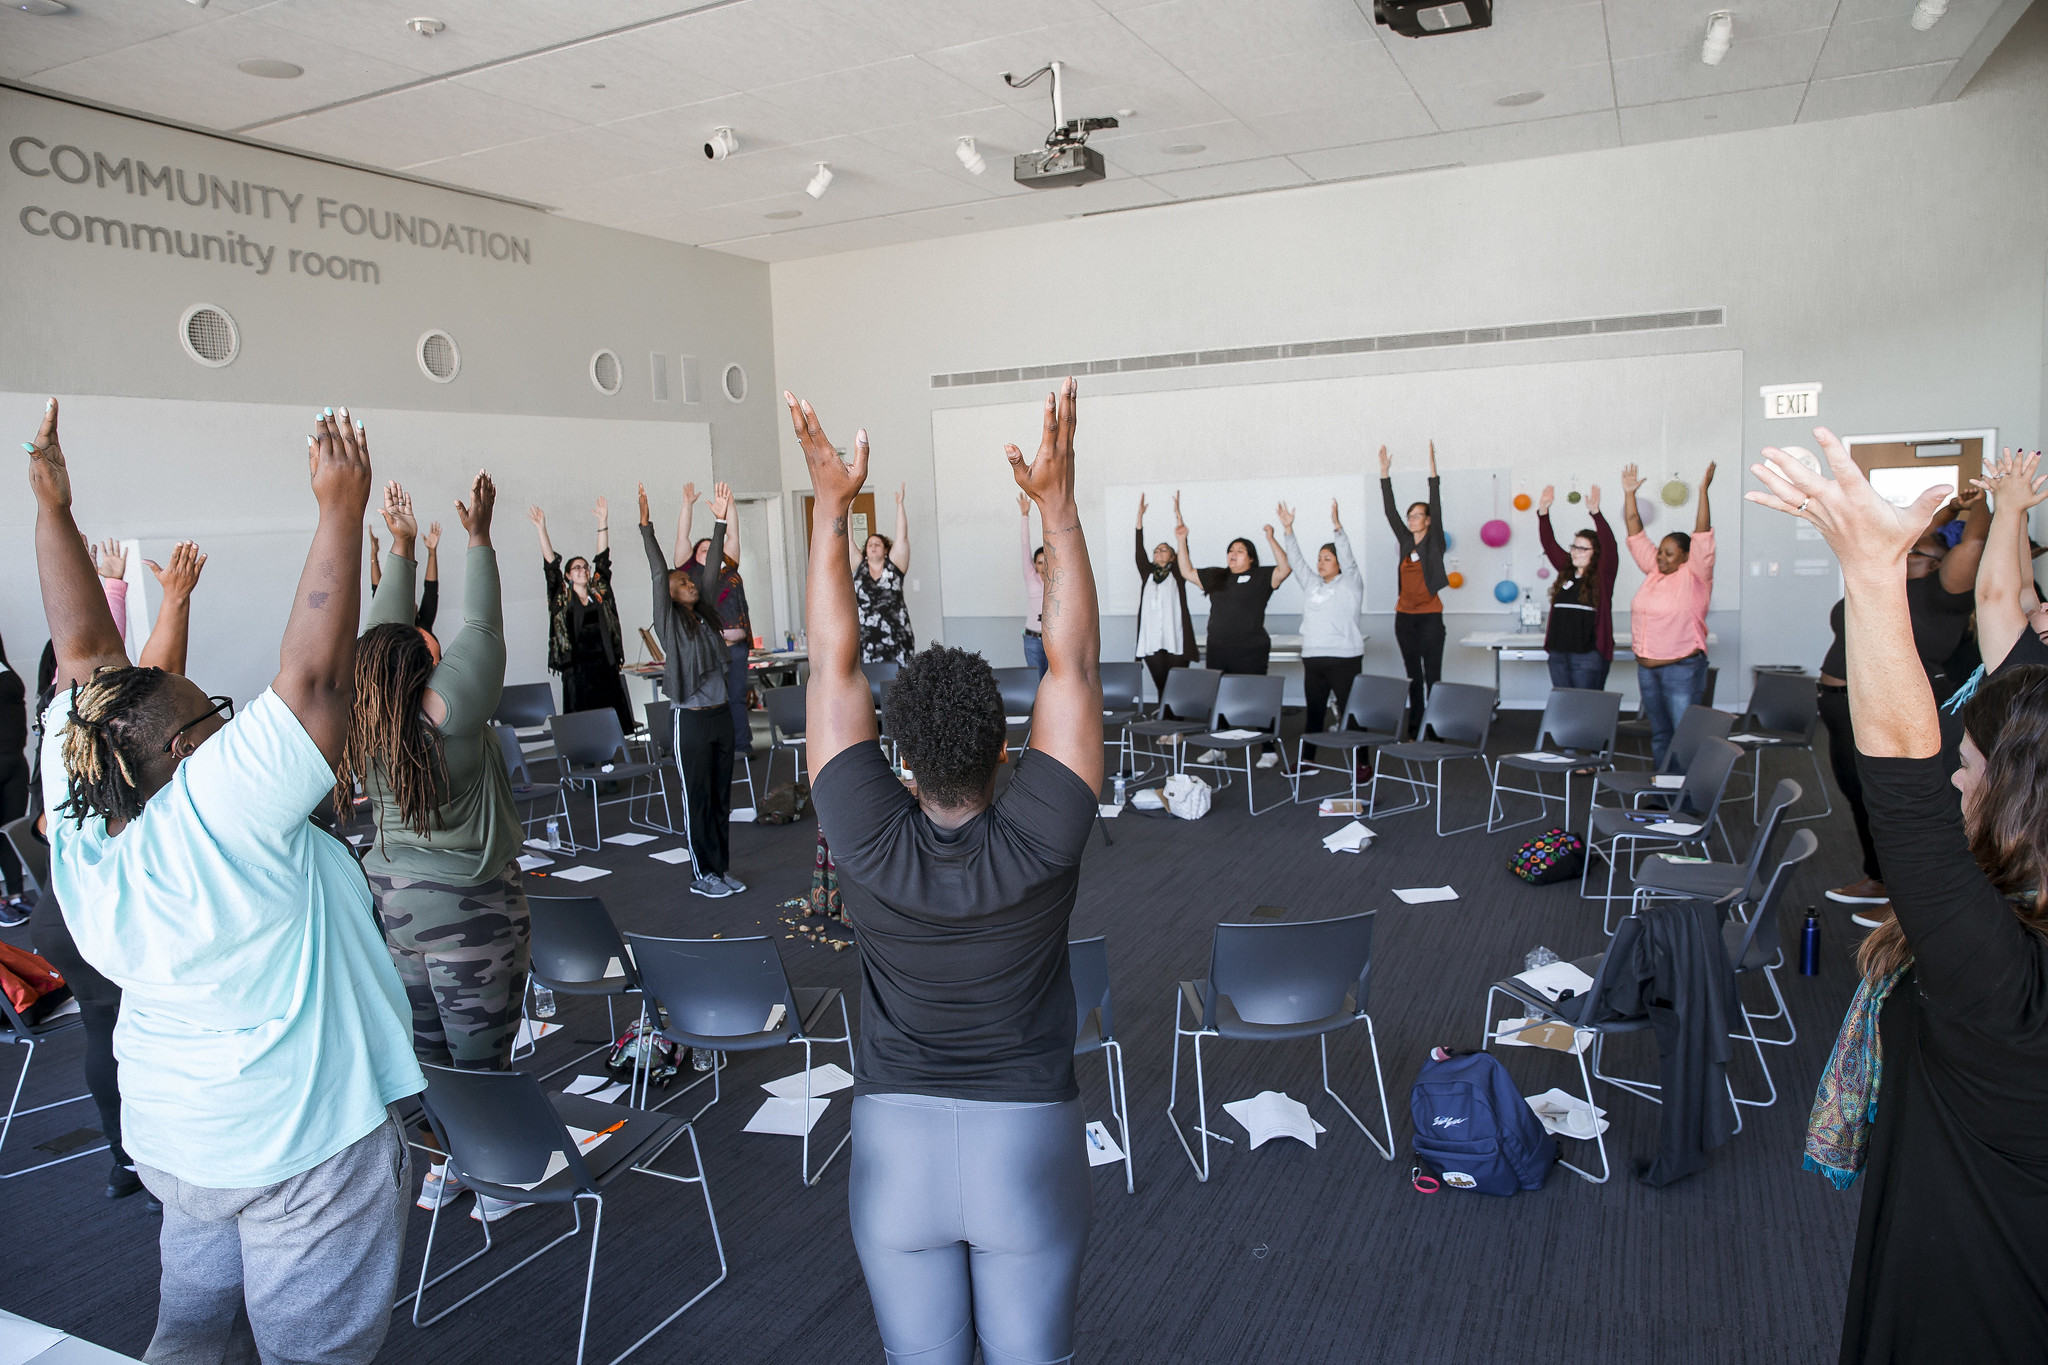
{"points": [[1244, 578]]}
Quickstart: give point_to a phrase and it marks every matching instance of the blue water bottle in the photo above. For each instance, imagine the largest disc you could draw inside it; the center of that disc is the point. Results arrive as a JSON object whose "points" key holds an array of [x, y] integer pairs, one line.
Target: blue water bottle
{"points": [[1809, 945]]}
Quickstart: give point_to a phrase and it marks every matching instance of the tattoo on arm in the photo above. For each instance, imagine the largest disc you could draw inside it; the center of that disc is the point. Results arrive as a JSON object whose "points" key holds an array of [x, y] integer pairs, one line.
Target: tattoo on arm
{"points": [[839, 526]]}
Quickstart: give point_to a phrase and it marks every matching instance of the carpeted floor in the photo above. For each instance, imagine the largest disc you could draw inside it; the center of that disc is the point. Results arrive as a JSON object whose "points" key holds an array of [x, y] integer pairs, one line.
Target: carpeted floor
{"points": [[1287, 1254]]}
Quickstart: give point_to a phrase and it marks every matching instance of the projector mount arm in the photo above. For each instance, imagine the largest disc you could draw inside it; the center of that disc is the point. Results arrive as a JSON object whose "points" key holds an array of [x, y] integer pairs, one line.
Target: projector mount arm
{"points": [[1065, 132]]}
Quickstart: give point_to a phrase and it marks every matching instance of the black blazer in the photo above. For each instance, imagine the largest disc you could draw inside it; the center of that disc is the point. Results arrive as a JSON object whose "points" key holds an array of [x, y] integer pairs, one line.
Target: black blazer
{"points": [[1433, 575], [1188, 650]]}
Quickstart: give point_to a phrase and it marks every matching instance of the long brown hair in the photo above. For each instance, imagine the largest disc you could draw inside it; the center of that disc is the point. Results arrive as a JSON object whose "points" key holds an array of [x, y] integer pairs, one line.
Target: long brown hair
{"points": [[388, 732], [1584, 585], [2007, 819]]}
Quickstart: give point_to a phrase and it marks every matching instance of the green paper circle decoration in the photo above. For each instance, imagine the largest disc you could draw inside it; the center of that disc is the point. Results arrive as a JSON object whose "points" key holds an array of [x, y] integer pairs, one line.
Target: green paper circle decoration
{"points": [[1572, 496], [1675, 493]]}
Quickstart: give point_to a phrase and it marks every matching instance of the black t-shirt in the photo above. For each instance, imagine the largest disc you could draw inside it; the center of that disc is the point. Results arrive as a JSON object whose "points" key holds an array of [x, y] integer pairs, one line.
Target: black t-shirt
{"points": [[1237, 608], [963, 932], [1939, 619]]}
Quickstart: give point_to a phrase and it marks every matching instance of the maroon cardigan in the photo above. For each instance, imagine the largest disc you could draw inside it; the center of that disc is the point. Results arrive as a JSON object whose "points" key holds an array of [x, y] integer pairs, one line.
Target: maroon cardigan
{"points": [[1603, 587]]}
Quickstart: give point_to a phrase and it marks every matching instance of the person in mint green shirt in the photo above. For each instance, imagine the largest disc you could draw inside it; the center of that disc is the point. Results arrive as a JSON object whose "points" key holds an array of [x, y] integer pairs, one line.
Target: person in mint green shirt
{"points": [[262, 1038], [444, 864]]}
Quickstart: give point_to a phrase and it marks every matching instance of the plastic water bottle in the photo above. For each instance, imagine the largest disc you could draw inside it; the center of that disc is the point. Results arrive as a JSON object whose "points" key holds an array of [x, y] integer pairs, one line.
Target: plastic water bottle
{"points": [[554, 834], [1809, 945], [1120, 795], [543, 1003]]}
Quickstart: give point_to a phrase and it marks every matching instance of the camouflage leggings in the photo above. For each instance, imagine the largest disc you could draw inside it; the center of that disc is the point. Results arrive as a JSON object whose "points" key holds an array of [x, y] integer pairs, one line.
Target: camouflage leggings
{"points": [[462, 953]]}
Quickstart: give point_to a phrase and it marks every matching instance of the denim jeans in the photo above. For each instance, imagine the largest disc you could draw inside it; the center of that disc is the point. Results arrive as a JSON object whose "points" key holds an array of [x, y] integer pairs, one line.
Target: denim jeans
{"points": [[1666, 693], [1034, 653], [1587, 669]]}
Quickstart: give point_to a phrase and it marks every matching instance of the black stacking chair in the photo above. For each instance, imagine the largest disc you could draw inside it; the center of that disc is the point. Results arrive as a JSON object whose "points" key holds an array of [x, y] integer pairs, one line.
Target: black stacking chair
{"points": [[732, 995], [1122, 705], [1375, 713], [879, 672], [1635, 787], [1636, 729], [15, 1029], [1577, 733], [1244, 701], [576, 950], [591, 749], [507, 1138], [1183, 710], [1729, 885], [1614, 834], [1754, 947], [1019, 687], [1783, 710], [536, 801], [1462, 716], [525, 706], [786, 720], [1095, 1031], [1272, 983]]}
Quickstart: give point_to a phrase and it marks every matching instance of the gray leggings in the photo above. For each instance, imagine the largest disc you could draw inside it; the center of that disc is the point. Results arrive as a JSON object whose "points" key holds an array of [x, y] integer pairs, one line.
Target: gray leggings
{"points": [[970, 1218]]}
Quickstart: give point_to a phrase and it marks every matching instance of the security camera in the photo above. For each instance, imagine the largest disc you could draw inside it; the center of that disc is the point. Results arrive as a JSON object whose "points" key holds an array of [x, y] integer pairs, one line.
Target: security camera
{"points": [[724, 142]]}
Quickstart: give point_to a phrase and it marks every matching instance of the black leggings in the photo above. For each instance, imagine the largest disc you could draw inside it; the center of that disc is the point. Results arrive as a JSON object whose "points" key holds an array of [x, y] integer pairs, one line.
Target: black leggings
{"points": [[1834, 713], [1421, 637], [13, 803], [1326, 678], [704, 756], [1161, 664], [99, 1007]]}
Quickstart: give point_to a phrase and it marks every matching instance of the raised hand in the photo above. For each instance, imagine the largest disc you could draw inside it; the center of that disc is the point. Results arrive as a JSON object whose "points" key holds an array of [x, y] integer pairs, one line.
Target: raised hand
{"points": [[338, 461], [1268, 529], [537, 517], [721, 501], [375, 548], [1335, 521], [1869, 535], [833, 480], [183, 575], [476, 513], [432, 536], [646, 518], [602, 512], [48, 477], [110, 559], [901, 489], [1141, 510], [2009, 476], [398, 515], [1024, 506], [1432, 459], [1286, 515], [1386, 463], [689, 495], [1049, 478], [1708, 477], [1545, 498], [1180, 527], [1593, 501], [1631, 480]]}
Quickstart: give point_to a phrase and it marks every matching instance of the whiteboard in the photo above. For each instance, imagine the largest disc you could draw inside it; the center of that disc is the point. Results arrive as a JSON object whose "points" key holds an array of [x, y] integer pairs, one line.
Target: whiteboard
{"points": [[1218, 511], [1499, 431], [233, 477]]}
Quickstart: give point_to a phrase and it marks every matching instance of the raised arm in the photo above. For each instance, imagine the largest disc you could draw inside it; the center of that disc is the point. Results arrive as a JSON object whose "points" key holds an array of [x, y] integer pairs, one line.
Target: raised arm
{"points": [[83, 632], [1282, 566], [1024, 539], [1436, 499], [432, 538], [1144, 560], [2007, 570], [540, 525], [1185, 560], [1397, 523], [1347, 562], [1601, 530], [165, 647], [899, 553], [1288, 543], [603, 513], [316, 675], [1631, 518], [715, 552], [1066, 719], [1703, 515], [376, 569], [396, 607], [1959, 567], [685, 519], [839, 709], [1547, 538], [462, 695], [664, 607]]}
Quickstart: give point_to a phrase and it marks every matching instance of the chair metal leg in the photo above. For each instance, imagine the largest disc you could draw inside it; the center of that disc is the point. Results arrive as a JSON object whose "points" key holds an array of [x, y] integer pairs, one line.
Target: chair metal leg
{"points": [[1386, 1149], [1783, 1011], [1756, 1044], [1201, 1165], [1119, 1105], [703, 1182], [419, 1295], [1440, 830], [1585, 1081], [810, 1177], [14, 1110]]}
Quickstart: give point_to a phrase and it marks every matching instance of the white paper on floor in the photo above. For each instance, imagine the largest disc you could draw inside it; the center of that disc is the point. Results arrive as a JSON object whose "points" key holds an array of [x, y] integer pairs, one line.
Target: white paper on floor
{"points": [[1424, 895], [824, 1080], [583, 1085], [532, 1031], [786, 1117], [22, 1340], [537, 843], [1340, 806], [1568, 1115], [1102, 1148], [1274, 1113], [1553, 979], [629, 840], [1353, 838], [741, 815], [611, 1093], [529, 861], [671, 856], [583, 874]]}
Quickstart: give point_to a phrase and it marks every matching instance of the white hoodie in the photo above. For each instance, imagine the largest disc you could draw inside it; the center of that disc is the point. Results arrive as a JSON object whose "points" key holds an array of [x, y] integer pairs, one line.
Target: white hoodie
{"points": [[1329, 615]]}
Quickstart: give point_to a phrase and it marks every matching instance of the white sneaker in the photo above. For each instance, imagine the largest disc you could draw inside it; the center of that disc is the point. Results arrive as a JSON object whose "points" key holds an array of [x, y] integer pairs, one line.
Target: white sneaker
{"points": [[1268, 760], [440, 1183], [1209, 756], [1871, 919], [713, 887], [489, 1210]]}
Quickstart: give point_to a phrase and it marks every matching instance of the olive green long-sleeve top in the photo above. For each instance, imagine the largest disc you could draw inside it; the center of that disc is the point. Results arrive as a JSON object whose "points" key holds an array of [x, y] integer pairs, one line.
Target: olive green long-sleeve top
{"points": [[475, 831]]}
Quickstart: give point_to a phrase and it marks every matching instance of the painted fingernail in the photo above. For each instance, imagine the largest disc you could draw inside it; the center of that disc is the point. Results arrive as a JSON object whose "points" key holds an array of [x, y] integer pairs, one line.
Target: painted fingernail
{"points": [[29, 448], [328, 412]]}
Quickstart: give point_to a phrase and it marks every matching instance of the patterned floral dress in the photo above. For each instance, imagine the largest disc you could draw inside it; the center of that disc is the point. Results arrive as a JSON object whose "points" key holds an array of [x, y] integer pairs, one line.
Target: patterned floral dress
{"points": [[885, 634]]}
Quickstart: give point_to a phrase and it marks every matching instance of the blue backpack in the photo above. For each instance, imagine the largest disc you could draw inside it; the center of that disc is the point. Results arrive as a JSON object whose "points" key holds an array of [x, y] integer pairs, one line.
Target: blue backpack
{"points": [[1474, 1128]]}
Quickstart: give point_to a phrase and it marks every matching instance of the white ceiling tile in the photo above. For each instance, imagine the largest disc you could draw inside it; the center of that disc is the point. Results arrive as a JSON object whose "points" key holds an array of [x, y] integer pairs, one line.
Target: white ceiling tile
{"points": [[1751, 64], [879, 96], [758, 123], [1573, 90], [999, 131], [477, 30], [1345, 125], [1303, 80], [1876, 93], [764, 42], [190, 74], [1639, 28], [1148, 154], [546, 169], [1242, 177], [1520, 45], [1473, 147], [1737, 112], [634, 81], [426, 123], [1040, 206], [927, 25], [1101, 61], [1200, 34], [1890, 43], [36, 42], [825, 240]]}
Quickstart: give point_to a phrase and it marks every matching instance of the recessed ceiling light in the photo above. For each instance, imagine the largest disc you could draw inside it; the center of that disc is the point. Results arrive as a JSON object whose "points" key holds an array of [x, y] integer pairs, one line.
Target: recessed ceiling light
{"points": [[426, 28], [269, 68], [1519, 98], [41, 6], [1186, 148], [783, 215]]}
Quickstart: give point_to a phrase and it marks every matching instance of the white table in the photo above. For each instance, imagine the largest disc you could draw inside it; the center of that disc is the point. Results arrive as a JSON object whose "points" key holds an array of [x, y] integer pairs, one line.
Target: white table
{"points": [[1526, 646]]}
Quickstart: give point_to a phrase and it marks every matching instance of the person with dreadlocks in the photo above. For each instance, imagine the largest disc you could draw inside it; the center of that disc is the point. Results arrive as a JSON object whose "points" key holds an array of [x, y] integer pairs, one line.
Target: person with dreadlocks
{"points": [[1937, 1088], [444, 867], [694, 674], [262, 1038]]}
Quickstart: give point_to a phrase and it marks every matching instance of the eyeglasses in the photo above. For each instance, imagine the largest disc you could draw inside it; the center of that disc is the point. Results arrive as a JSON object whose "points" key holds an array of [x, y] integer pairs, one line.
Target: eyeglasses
{"points": [[224, 707]]}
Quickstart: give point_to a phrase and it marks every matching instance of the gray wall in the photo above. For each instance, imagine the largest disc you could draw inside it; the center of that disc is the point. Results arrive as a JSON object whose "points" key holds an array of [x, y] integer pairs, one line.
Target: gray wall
{"points": [[1895, 258]]}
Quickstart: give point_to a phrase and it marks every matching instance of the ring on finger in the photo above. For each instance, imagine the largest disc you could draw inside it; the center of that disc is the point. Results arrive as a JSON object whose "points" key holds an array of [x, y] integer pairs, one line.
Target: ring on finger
{"points": [[1802, 506]]}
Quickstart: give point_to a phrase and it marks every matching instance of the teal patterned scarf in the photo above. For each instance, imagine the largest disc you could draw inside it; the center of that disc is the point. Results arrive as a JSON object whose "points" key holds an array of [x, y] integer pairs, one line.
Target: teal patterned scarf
{"points": [[1845, 1105]]}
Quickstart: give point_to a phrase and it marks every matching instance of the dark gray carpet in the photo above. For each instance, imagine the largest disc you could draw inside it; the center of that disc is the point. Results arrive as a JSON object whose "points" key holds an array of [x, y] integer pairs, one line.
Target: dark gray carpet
{"points": [[1287, 1254]]}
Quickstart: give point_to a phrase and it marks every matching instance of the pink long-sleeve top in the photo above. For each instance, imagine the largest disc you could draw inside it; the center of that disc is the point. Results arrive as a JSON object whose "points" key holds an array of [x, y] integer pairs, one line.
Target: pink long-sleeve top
{"points": [[116, 590], [1668, 617], [1034, 586]]}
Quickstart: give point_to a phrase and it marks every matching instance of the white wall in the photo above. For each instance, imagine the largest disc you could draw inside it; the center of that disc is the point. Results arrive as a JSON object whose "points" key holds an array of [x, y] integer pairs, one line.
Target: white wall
{"points": [[1896, 258]]}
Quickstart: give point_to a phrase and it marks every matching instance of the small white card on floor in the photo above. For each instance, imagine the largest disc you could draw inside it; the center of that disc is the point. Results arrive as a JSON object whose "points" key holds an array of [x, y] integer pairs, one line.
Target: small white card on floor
{"points": [[1353, 838], [1671, 827], [1270, 1114], [532, 1031], [1340, 806], [786, 1117], [671, 856], [1423, 895], [529, 861], [1669, 781], [741, 815], [629, 840], [582, 874], [824, 1081], [1567, 1115], [1102, 1148], [611, 1094], [541, 844], [583, 1085]]}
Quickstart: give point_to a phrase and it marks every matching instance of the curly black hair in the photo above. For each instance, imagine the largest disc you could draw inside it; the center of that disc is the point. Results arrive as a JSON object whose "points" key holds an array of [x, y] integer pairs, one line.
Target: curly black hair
{"points": [[946, 716]]}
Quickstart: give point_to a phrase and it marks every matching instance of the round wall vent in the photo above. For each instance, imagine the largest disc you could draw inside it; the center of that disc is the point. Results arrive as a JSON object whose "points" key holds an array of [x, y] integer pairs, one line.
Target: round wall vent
{"points": [[735, 383], [209, 335], [439, 357], [604, 372]]}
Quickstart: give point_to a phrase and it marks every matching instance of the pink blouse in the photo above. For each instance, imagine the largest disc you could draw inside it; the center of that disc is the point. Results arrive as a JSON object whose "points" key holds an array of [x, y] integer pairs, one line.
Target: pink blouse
{"points": [[1668, 618]]}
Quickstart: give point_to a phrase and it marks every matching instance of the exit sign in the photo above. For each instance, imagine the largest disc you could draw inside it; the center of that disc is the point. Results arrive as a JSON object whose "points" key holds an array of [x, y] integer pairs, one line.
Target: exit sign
{"points": [[1791, 400]]}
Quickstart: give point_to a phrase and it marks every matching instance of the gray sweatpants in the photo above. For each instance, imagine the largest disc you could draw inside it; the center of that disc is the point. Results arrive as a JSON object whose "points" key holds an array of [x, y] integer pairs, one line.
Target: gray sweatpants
{"points": [[970, 1218], [297, 1273]]}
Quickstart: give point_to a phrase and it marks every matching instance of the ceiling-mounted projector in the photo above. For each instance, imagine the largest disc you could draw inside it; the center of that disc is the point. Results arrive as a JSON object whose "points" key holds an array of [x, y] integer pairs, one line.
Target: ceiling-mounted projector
{"points": [[1428, 18], [1066, 158]]}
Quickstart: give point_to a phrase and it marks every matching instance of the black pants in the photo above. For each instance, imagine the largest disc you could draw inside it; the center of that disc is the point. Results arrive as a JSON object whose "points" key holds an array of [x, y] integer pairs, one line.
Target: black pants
{"points": [[1253, 658], [1834, 713], [594, 688], [1326, 678], [1161, 664], [99, 1007], [1421, 637], [704, 754], [13, 803]]}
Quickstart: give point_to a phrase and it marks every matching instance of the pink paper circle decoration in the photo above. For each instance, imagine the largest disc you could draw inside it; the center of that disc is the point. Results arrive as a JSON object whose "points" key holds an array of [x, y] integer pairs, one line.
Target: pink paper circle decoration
{"points": [[1495, 533]]}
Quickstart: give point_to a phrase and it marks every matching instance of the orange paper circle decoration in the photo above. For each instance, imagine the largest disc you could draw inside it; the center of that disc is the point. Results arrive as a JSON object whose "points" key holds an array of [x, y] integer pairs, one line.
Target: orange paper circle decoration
{"points": [[1454, 580], [1521, 502]]}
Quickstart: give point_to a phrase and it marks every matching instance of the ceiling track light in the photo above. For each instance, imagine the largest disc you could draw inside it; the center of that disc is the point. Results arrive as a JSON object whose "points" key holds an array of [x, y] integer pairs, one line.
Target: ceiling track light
{"points": [[970, 156], [724, 142], [1720, 33], [426, 28], [1927, 13], [820, 182]]}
